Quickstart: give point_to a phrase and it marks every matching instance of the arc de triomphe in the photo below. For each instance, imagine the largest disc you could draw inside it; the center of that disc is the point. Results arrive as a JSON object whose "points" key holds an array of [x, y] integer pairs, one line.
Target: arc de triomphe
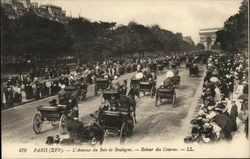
{"points": [[208, 36]]}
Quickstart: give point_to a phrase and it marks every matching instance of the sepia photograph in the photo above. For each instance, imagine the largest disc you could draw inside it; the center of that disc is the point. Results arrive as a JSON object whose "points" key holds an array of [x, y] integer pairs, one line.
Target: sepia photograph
{"points": [[124, 79]]}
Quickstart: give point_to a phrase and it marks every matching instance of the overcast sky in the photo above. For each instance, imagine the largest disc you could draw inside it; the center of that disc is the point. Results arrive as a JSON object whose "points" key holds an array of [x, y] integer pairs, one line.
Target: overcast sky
{"points": [[185, 16]]}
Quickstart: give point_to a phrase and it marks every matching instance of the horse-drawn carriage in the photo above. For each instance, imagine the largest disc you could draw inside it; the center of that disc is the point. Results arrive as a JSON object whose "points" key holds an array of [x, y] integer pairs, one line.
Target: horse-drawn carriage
{"points": [[55, 113], [66, 93], [153, 68], [147, 86], [101, 84], [143, 86], [188, 64], [109, 94], [81, 89], [165, 93], [175, 63], [194, 71], [176, 81], [115, 119], [135, 84]]}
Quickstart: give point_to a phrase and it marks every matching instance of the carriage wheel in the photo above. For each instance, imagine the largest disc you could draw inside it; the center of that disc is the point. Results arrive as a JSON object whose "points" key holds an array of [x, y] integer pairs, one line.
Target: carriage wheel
{"points": [[37, 123], [63, 125], [173, 99], [130, 130], [124, 132]]}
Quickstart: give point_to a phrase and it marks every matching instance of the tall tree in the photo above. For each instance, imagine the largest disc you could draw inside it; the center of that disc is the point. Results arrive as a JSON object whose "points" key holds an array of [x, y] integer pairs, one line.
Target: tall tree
{"points": [[234, 35]]}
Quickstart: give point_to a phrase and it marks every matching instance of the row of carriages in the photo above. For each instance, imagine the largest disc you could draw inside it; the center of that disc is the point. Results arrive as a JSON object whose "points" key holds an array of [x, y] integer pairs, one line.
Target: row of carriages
{"points": [[116, 122]]}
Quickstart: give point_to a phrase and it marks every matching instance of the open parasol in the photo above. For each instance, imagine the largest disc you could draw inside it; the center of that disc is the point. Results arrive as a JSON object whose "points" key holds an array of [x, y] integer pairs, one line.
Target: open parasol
{"points": [[170, 74], [139, 75], [214, 79]]}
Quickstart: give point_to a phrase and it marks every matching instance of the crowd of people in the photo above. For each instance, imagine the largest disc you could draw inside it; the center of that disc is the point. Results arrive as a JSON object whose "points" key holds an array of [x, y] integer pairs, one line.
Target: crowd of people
{"points": [[47, 81], [33, 85], [224, 99]]}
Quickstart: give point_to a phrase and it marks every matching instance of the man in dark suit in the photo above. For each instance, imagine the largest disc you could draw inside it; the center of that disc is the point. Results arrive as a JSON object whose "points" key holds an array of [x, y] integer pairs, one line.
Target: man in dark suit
{"points": [[234, 114]]}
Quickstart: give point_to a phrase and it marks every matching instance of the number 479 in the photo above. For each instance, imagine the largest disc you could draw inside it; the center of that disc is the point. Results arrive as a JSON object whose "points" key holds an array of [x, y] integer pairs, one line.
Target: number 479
{"points": [[23, 150]]}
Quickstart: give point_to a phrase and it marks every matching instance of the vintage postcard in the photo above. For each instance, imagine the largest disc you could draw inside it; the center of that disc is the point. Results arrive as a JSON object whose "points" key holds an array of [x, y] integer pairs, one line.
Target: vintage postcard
{"points": [[124, 78]]}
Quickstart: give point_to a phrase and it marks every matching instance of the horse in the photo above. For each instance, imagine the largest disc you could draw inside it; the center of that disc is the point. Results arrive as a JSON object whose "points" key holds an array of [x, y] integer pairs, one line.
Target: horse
{"points": [[134, 91], [130, 102]]}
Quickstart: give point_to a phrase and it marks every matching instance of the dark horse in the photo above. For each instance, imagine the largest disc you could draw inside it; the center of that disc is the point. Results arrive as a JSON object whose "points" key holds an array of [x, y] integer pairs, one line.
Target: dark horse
{"points": [[130, 102]]}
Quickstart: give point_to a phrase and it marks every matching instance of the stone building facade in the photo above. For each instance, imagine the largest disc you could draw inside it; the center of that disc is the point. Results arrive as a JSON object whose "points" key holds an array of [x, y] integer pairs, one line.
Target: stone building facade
{"points": [[16, 8], [208, 37]]}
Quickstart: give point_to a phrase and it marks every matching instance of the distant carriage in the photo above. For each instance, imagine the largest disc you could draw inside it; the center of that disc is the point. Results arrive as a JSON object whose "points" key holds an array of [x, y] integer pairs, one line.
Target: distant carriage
{"points": [[160, 67], [101, 84], [148, 86], [135, 84], [194, 71], [176, 81], [188, 64], [69, 91], [143, 86], [153, 68], [81, 89], [111, 94], [165, 93], [175, 63], [162, 64]]}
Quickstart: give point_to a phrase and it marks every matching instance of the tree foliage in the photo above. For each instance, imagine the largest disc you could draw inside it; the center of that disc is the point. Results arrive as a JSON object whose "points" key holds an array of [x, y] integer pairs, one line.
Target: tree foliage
{"points": [[200, 46], [234, 35], [35, 37]]}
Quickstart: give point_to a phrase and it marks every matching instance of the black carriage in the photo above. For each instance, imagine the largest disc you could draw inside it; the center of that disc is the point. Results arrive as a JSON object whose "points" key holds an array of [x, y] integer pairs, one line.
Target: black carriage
{"points": [[194, 71], [134, 83], [118, 122], [153, 68], [165, 93], [81, 90], [68, 92], [147, 86], [175, 64], [160, 67], [176, 81], [101, 84], [51, 115], [189, 64], [109, 94], [115, 120]]}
